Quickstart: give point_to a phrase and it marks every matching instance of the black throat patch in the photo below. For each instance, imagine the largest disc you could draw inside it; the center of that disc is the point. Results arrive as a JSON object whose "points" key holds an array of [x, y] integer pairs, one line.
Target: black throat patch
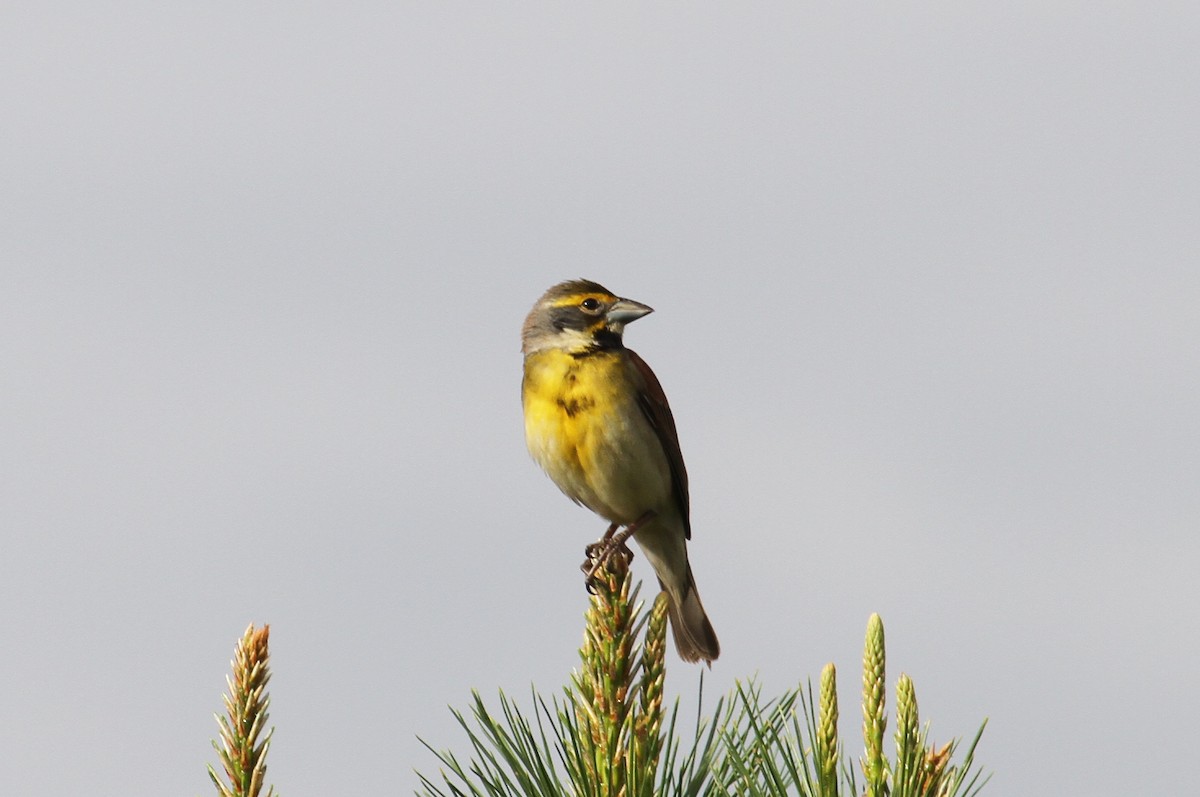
{"points": [[603, 340]]}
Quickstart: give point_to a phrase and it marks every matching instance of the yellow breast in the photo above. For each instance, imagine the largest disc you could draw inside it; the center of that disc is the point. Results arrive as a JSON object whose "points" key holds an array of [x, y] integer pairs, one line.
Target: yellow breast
{"points": [[584, 427]]}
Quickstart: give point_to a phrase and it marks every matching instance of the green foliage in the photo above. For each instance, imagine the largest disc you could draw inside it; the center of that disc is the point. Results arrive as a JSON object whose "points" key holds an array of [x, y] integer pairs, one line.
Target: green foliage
{"points": [[874, 718], [243, 746], [605, 736], [608, 736], [826, 736]]}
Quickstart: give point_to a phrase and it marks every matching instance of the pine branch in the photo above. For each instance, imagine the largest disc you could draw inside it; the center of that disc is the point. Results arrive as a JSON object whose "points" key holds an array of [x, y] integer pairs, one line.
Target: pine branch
{"points": [[874, 719], [243, 746]]}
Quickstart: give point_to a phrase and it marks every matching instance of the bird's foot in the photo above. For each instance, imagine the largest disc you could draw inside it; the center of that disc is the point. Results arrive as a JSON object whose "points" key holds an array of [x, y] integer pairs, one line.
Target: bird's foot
{"points": [[595, 552], [593, 567], [598, 553]]}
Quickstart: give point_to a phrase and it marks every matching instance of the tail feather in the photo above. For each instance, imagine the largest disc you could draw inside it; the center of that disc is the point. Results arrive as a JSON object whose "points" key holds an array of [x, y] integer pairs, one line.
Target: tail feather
{"points": [[695, 639], [665, 545]]}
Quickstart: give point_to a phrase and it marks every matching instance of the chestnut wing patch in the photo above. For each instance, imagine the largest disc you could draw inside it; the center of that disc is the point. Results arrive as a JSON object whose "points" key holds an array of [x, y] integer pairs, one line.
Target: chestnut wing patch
{"points": [[653, 402]]}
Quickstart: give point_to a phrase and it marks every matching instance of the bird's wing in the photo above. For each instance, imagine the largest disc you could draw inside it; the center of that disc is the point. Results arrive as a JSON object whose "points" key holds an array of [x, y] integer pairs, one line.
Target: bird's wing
{"points": [[653, 402]]}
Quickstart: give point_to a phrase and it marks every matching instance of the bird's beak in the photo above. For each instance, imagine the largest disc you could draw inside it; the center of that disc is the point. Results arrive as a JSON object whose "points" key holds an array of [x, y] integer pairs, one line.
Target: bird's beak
{"points": [[624, 311]]}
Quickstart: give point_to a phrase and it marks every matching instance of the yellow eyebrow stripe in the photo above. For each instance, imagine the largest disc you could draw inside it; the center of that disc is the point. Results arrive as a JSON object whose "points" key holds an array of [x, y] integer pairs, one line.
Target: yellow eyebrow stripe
{"points": [[576, 298]]}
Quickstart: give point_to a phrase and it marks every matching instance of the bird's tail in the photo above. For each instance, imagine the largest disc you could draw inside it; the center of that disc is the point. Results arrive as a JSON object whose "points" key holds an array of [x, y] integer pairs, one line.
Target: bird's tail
{"points": [[665, 545], [695, 639]]}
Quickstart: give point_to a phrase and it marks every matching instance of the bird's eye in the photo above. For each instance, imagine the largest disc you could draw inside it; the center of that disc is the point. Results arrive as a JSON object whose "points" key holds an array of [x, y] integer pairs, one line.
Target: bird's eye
{"points": [[590, 304]]}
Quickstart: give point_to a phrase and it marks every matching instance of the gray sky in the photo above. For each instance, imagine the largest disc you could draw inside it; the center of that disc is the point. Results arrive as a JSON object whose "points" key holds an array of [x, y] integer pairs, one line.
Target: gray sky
{"points": [[927, 308]]}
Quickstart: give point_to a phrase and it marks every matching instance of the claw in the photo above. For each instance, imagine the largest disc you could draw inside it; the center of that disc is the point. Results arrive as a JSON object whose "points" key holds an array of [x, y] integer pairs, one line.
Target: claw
{"points": [[598, 553]]}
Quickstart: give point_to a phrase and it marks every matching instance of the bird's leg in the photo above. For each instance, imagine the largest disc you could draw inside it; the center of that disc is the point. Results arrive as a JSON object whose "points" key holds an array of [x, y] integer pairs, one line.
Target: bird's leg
{"points": [[599, 553], [593, 550]]}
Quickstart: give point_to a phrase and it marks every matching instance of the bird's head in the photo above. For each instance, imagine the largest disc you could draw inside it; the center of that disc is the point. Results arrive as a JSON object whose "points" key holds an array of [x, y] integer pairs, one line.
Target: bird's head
{"points": [[579, 316]]}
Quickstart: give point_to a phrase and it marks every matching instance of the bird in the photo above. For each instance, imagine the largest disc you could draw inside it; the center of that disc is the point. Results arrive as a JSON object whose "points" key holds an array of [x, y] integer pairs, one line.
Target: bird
{"points": [[598, 423]]}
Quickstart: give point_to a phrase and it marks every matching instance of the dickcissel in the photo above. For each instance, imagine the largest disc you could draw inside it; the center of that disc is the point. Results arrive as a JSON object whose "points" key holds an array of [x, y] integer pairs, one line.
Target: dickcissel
{"points": [[598, 422]]}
